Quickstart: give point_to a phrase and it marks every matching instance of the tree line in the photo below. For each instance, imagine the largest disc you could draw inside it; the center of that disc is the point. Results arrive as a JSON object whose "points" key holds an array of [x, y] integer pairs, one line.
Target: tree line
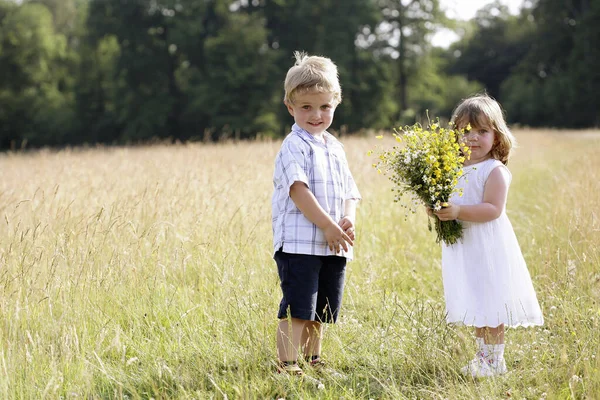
{"points": [[129, 71]]}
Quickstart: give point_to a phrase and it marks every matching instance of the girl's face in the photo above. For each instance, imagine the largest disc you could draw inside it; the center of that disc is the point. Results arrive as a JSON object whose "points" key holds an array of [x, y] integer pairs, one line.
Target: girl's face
{"points": [[480, 140]]}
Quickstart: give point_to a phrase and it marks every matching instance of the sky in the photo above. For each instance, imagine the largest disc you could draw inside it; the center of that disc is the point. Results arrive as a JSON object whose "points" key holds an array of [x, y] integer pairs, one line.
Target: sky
{"points": [[465, 10]]}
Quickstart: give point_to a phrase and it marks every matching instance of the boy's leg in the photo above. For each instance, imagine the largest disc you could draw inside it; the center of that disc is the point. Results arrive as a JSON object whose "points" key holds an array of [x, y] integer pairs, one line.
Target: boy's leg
{"points": [[331, 288], [289, 333], [313, 336], [299, 277], [329, 301], [311, 339], [289, 338]]}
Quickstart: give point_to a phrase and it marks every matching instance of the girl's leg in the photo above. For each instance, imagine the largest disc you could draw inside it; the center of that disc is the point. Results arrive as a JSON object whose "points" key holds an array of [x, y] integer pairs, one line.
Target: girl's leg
{"points": [[493, 348], [311, 338], [479, 341], [491, 335], [289, 336], [489, 360], [479, 333]]}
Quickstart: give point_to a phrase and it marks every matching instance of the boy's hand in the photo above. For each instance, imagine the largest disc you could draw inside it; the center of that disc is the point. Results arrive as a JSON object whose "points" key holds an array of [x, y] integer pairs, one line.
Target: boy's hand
{"points": [[337, 238], [347, 225], [448, 213]]}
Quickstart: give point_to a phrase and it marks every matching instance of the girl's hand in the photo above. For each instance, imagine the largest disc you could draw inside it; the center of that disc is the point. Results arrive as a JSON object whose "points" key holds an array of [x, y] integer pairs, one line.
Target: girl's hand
{"points": [[448, 213], [347, 225], [429, 211]]}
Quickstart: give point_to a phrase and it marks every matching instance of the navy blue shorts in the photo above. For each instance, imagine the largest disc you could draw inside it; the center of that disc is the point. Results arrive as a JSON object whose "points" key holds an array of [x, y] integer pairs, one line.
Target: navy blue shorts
{"points": [[312, 286]]}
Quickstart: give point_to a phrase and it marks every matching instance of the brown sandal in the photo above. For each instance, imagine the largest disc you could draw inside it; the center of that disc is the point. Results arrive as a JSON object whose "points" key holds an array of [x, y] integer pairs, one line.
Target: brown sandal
{"points": [[290, 369]]}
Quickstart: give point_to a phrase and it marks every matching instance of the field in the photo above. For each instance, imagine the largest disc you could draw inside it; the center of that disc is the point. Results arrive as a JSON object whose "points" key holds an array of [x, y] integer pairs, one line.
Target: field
{"points": [[146, 272]]}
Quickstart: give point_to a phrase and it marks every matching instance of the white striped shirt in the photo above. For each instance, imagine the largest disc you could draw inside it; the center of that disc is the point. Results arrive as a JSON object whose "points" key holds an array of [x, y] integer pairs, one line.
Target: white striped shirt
{"points": [[324, 169]]}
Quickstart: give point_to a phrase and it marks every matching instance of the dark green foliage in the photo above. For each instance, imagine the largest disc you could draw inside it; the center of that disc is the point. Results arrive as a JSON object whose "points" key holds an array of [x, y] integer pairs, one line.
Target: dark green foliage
{"points": [[128, 71], [540, 65], [37, 104], [557, 82], [498, 43]]}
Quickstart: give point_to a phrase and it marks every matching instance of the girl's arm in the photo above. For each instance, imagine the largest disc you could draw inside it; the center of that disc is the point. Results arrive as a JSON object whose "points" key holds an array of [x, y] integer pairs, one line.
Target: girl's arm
{"points": [[494, 200], [306, 202]]}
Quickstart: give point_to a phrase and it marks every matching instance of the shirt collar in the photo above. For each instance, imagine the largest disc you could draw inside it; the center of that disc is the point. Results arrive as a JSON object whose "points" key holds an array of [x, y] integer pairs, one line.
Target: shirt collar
{"points": [[329, 138]]}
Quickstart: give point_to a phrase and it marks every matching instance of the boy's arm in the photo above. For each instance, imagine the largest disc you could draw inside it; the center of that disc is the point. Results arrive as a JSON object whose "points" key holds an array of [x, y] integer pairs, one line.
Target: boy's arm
{"points": [[347, 221], [494, 200], [350, 209], [306, 202], [352, 198]]}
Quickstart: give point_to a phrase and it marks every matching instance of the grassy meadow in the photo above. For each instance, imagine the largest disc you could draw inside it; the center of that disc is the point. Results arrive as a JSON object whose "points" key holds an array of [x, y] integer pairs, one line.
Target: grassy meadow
{"points": [[136, 273]]}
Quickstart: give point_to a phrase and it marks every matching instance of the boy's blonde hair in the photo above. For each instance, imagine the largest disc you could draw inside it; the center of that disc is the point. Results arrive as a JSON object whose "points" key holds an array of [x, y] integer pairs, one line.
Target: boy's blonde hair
{"points": [[312, 73], [482, 111]]}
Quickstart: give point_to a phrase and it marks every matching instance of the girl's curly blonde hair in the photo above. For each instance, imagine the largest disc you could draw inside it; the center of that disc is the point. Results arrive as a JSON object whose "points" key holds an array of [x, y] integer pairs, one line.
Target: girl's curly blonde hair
{"points": [[482, 111]]}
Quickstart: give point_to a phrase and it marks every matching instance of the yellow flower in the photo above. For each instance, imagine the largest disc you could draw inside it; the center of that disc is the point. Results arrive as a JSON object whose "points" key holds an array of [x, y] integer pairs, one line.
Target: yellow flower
{"points": [[427, 166], [379, 137]]}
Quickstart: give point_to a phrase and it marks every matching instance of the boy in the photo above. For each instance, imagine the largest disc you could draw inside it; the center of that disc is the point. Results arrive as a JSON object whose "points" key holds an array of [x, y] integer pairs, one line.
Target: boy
{"points": [[314, 207]]}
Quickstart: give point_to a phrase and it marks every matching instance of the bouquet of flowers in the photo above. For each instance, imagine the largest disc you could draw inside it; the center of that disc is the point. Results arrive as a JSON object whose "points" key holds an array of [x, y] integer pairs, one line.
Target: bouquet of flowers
{"points": [[427, 166]]}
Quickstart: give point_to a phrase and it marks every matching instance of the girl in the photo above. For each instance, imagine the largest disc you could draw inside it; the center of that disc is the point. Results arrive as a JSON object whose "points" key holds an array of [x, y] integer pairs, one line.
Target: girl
{"points": [[486, 281]]}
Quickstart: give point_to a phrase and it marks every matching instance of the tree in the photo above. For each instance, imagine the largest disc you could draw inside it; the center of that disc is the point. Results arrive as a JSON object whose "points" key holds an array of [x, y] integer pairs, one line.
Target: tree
{"points": [[497, 45], [35, 109], [328, 28], [231, 88], [557, 82], [97, 89], [148, 102], [436, 92], [403, 35], [65, 14]]}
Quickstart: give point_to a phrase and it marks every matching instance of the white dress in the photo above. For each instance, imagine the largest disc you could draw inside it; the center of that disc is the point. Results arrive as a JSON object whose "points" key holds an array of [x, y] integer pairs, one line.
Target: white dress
{"points": [[486, 281]]}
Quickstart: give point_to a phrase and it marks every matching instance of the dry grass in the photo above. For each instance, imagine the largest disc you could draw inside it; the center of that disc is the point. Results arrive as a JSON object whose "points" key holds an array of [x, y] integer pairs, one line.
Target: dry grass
{"points": [[147, 272]]}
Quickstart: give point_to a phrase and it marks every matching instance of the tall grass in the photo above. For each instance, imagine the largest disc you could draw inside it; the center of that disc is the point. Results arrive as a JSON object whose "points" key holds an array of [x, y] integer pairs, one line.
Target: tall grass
{"points": [[147, 273]]}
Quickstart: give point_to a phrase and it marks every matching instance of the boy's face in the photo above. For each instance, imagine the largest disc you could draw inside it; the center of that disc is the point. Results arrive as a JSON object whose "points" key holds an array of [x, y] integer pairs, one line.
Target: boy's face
{"points": [[313, 111]]}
